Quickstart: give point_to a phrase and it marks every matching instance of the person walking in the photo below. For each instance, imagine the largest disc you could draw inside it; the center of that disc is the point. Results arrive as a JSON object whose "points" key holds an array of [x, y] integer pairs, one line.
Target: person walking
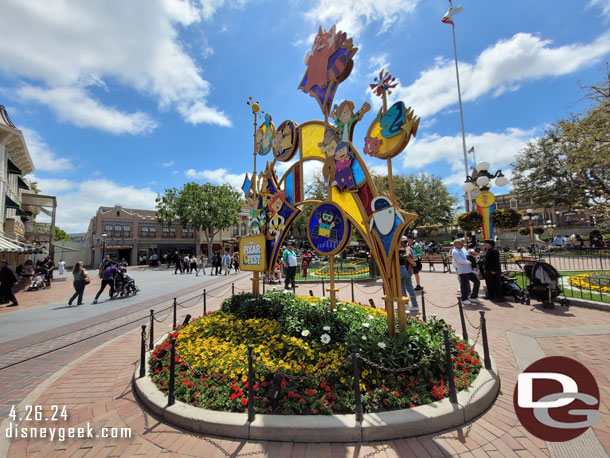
{"points": [[289, 257], [81, 279], [407, 263], [61, 266], [492, 273], [186, 262], [8, 278], [236, 261], [217, 263], [465, 274], [193, 266], [178, 262], [200, 265], [107, 280], [226, 263]]}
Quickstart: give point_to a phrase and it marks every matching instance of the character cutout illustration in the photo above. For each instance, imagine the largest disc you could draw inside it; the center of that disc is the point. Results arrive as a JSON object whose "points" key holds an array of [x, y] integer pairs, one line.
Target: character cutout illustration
{"points": [[285, 141], [276, 220], [325, 227], [345, 118], [328, 146], [264, 136], [344, 177]]}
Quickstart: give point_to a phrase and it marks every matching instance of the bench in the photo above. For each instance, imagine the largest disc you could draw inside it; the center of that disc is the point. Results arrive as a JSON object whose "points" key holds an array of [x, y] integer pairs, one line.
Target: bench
{"points": [[432, 259]]}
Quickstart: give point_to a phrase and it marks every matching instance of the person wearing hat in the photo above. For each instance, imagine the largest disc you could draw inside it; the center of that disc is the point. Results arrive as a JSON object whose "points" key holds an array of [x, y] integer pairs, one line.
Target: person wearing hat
{"points": [[407, 263], [289, 257], [465, 273], [493, 270], [417, 255]]}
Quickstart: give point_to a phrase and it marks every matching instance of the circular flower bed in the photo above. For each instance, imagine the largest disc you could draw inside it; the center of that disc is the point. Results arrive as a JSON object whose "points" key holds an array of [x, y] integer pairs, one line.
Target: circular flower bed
{"points": [[302, 358], [593, 281]]}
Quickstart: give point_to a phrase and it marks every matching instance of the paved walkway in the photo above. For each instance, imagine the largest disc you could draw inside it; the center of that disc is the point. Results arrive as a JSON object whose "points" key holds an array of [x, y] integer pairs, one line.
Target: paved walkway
{"points": [[95, 388]]}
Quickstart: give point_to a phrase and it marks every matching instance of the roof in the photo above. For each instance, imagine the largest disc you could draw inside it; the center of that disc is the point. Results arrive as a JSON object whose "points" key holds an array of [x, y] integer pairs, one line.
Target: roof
{"points": [[38, 200], [13, 246], [15, 143]]}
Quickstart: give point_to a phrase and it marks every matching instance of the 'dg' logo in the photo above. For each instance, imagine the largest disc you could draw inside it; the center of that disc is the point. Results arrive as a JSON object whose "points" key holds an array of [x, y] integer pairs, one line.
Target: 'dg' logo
{"points": [[556, 399]]}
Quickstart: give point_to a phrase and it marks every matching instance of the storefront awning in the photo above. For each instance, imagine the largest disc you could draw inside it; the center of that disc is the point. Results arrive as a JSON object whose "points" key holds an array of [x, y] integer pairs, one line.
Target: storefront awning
{"points": [[22, 184], [10, 203], [12, 168]]}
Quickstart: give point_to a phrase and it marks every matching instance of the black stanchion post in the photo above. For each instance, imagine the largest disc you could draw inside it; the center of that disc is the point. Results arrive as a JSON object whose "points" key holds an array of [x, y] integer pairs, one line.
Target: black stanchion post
{"points": [[152, 329], [171, 397], [250, 385], [311, 293], [175, 306], [323, 289], [143, 352], [357, 398], [233, 289], [372, 302], [263, 285], [486, 360], [294, 289], [462, 319], [423, 304], [449, 365], [353, 298], [205, 302]]}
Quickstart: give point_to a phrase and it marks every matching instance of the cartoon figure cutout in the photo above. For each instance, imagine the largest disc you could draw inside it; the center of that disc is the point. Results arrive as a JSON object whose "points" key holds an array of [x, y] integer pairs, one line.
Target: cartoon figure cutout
{"points": [[285, 141], [344, 177], [264, 136], [325, 227], [384, 215], [345, 118], [276, 220]]}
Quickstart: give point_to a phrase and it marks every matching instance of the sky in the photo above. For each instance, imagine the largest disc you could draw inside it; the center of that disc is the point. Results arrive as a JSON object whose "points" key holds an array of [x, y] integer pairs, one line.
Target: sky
{"points": [[119, 101]]}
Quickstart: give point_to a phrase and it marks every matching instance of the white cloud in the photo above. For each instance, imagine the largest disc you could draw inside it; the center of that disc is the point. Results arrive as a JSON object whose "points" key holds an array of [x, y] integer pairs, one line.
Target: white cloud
{"points": [[43, 157], [53, 186], [352, 16], [499, 149], [604, 5], [69, 48], [167, 164], [217, 176], [76, 208], [74, 105], [498, 69]]}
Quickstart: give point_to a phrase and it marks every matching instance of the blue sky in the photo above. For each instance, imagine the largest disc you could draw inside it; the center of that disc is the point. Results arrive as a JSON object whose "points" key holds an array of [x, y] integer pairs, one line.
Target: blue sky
{"points": [[120, 100]]}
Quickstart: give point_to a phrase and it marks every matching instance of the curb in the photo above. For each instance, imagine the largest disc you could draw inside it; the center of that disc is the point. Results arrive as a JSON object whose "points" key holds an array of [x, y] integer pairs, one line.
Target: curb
{"points": [[426, 419]]}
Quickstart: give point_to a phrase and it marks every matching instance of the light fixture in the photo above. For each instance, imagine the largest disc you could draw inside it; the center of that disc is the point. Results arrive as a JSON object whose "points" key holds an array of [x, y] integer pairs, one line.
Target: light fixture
{"points": [[468, 186], [482, 166], [482, 180], [501, 181], [475, 193]]}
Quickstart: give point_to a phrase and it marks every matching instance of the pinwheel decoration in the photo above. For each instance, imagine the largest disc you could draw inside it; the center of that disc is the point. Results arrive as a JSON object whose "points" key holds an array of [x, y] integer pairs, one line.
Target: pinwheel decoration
{"points": [[383, 83]]}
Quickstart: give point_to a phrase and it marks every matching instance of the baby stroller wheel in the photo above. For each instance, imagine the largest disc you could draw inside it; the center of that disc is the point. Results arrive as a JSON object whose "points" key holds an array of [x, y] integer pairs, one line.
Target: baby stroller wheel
{"points": [[564, 302]]}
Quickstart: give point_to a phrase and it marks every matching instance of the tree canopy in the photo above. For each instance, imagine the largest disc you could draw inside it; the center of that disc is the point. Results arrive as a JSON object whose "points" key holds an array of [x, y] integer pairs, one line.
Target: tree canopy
{"points": [[61, 235], [207, 208], [423, 194], [570, 164]]}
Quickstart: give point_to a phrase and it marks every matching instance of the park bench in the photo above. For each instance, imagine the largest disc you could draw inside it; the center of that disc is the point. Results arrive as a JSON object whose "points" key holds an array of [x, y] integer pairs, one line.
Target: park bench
{"points": [[433, 259]]}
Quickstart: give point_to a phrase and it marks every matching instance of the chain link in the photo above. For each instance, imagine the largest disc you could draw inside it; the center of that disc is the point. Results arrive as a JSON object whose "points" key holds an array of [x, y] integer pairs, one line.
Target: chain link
{"points": [[470, 322], [428, 301], [199, 297], [161, 321], [397, 369], [220, 295], [368, 292]]}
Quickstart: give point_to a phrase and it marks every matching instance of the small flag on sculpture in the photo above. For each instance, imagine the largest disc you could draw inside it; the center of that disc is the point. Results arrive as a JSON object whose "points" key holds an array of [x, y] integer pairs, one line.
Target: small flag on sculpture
{"points": [[448, 17], [471, 150]]}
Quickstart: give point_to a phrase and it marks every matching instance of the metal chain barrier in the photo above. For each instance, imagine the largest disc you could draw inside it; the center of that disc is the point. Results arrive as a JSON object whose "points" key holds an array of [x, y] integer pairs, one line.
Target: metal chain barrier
{"points": [[368, 292], [198, 297], [162, 320], [470, 322], [428, 301], [220, 295], [396, 369]]}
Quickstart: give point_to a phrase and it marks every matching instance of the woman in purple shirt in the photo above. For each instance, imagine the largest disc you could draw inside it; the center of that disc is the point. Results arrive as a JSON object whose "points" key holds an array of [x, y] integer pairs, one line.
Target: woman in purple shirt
{"points": [[107, 279]]}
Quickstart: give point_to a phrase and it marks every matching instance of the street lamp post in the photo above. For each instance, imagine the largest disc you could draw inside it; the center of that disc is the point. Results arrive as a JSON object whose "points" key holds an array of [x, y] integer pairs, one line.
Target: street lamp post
{"points": [[104, 235], [477, 185], [530, 218]]}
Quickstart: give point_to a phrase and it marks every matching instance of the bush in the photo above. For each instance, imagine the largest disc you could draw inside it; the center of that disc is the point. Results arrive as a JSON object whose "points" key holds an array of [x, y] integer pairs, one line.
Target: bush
{"points": [[524, 231], [506, 218], [470, 221]]}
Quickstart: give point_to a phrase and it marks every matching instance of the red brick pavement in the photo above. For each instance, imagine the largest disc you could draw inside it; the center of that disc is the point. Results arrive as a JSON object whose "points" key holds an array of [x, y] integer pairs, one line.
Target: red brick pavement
{"points": [[98, 391]]}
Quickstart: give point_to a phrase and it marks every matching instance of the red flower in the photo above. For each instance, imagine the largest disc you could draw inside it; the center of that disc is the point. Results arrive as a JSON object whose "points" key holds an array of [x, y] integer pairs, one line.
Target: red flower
{"points": [[233, 396], [290, 395], [327, 388], [310, 392], [396, 393], [244, 401], [240, 393]]}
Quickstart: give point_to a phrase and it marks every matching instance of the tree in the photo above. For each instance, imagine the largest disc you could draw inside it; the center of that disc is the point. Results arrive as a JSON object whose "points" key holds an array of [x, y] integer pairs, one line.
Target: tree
{"points": [[316, 190], [206, 207], [61, 235], [422, 194], [570, 164]]}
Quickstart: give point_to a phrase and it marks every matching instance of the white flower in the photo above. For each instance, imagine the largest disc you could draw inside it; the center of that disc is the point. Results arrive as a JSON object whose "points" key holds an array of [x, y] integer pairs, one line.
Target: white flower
{"points": [[363, 337], [326, 328], [381, 344], [324, 338], [371, 317], [305, 333], [365, 325]]}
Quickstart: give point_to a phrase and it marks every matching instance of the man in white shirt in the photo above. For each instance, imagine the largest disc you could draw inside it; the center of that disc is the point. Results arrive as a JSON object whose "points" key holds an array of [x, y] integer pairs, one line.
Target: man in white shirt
{"points": [[289, 257], [465, 273], [226, 263]]}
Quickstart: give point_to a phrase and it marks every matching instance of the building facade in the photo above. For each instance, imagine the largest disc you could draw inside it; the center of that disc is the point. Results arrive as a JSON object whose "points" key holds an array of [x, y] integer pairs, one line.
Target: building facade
{"points": [[17, 209], [559, 216]]}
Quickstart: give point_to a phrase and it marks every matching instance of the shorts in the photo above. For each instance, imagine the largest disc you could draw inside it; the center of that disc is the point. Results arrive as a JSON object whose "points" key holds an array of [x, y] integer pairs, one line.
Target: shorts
{"points": [[417, 267]]}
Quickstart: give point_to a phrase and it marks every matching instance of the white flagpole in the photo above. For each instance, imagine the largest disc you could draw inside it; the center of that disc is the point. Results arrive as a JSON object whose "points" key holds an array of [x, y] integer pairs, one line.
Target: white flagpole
{"points": [[457, 75]]}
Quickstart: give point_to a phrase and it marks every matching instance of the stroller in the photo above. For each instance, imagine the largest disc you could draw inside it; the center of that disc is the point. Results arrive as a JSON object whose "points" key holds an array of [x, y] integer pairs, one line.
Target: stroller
{"points": [[40, 280], [510, 288], [124, 285], [544, 283]]}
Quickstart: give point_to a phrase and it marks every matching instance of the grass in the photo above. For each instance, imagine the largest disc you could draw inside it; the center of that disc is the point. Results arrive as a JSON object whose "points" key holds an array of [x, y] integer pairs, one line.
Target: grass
{"points": [[345, 270], [568, 289]]}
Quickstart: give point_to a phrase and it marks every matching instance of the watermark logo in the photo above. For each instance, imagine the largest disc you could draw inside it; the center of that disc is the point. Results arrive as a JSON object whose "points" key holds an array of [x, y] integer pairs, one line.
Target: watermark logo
{"points": [[557, 399]]}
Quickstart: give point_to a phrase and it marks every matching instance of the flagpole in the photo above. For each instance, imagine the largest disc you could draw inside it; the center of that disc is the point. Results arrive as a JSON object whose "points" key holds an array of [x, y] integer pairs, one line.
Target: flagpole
{"points": [[457, 76]]}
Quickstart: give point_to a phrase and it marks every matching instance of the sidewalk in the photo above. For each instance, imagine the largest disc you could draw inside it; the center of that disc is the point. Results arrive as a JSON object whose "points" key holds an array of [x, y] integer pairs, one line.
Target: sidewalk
{"points": [[96, 389]]}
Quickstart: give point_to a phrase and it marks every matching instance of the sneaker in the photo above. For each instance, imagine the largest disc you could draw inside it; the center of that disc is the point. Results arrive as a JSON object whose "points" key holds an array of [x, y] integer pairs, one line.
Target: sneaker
{"points": [[466, 302], [13, 305], [94, 301], [475, 299]]}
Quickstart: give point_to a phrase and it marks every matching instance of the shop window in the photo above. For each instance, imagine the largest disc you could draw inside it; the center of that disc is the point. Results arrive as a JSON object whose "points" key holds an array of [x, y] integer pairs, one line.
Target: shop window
{"points": [[244, 229], [172, 232], [165, 232], [235, 229]]}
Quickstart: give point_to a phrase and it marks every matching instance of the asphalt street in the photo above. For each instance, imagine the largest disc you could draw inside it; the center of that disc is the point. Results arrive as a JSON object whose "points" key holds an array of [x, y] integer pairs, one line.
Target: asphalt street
{"points": [[152, 284]]}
